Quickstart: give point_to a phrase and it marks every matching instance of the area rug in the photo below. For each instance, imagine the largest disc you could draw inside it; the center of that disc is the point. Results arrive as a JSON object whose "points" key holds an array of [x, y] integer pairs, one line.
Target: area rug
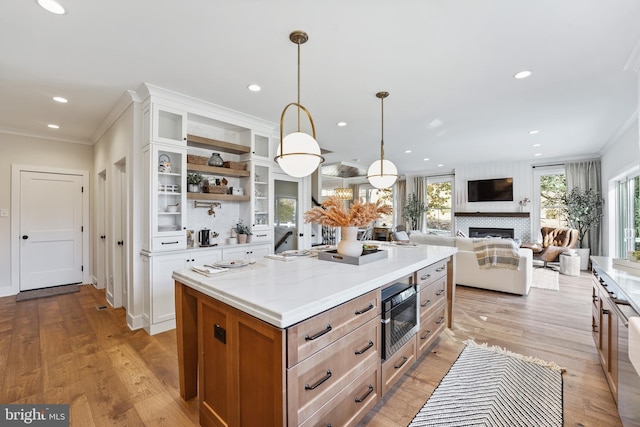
{"points": [[545, 278], [47, 292], [491, 386]]}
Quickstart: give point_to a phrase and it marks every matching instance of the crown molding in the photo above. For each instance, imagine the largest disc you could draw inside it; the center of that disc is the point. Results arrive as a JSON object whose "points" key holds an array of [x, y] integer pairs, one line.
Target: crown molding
{"points": [[43, 135], [127, 98], [632, 120]]}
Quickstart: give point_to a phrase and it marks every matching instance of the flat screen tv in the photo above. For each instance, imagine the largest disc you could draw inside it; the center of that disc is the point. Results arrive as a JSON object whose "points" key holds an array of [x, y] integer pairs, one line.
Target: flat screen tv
{"points": [[490, 190]]}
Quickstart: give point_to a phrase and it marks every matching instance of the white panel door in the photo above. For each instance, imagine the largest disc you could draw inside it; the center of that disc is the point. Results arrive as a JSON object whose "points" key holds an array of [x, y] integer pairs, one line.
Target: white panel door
{"points": [[50, 230]]}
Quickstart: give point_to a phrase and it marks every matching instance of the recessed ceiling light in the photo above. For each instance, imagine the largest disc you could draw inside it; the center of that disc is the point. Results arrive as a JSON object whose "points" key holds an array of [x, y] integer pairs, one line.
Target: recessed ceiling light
{"points": [[426, 159], [536, 145], [60, 99], [52, 126], [342, 124], [407, 151], [440, 165], [522, 74], [538, 154], [254, 88], [52, 6], [533, 132]]}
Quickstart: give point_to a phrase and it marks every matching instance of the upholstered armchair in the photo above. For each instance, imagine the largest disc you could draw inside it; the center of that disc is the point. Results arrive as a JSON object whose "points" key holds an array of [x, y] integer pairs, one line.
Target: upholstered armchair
{"points": [[554, 242]]}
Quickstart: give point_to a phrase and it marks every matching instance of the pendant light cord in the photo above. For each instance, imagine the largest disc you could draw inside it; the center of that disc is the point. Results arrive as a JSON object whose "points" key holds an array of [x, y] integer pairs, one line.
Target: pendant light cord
{"points": [[298, 85], [382, 140]]}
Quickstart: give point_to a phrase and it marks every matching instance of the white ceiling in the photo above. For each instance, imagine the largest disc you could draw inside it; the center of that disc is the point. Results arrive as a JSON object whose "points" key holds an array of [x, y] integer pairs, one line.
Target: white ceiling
{"points": [[450, 60]]}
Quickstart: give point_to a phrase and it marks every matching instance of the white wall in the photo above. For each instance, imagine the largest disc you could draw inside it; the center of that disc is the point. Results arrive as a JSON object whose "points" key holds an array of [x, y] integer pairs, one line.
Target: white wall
{"points": [[31, 151], [618, 159]]}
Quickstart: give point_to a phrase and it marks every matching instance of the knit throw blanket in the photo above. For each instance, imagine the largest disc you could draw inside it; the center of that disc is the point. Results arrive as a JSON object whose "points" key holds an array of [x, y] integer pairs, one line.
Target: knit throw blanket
{"points": [[497, 253]]}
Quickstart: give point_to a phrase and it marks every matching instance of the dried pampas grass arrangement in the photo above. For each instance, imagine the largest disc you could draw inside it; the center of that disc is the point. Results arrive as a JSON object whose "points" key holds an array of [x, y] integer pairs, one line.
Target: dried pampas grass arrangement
{"points": [[333, 213]]}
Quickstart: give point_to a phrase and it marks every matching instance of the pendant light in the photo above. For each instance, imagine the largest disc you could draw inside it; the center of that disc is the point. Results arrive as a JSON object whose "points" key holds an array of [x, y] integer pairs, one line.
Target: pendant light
{"points": [[343, 193], [382, 173], [298, 154]]}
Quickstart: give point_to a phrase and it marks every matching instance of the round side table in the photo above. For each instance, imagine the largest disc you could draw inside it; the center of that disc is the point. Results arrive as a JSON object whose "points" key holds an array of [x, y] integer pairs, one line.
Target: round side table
{"points": [[569, 265]]}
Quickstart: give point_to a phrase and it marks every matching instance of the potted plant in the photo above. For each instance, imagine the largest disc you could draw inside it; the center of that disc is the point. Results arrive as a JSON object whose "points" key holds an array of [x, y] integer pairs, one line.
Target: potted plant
{"points": [[583, 209], [412, 210], [243, 232], [194, 180]]}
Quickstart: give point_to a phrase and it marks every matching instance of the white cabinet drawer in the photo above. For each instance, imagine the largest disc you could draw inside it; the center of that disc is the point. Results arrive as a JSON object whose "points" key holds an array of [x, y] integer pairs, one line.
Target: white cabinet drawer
{"points": [[169, 243], [261, 236]]}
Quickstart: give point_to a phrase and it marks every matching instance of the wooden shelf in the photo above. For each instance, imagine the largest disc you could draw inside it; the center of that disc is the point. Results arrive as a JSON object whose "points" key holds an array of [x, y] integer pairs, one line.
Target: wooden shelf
{"points": [[214, 144], [220, 197], [494, 214], [213, 170]]}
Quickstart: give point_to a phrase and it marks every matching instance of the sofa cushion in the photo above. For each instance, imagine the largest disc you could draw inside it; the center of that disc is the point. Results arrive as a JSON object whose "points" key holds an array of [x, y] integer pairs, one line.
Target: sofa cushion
{"points": [[433, 239]]}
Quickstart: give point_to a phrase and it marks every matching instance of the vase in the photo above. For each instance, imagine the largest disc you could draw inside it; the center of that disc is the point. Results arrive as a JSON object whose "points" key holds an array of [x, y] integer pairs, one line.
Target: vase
{"points": [[215, 160], [349, 244], [242, 238]]}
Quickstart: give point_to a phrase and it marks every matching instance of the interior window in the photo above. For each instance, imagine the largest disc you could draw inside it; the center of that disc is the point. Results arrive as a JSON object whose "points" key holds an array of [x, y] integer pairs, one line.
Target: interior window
{"points": [[628, 211]]}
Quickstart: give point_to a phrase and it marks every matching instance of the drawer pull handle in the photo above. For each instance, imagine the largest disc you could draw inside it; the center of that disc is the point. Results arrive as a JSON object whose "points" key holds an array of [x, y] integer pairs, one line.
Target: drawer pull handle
{"points": [[320, 381], [166, 243], [404, 360], [426, 303], [364, 349], [605, 312], [261, 235], [425, 277], [364, 310], [440, 320], [361, 399], [318, 335], [440, 292], [426, 335], [440, 269]]}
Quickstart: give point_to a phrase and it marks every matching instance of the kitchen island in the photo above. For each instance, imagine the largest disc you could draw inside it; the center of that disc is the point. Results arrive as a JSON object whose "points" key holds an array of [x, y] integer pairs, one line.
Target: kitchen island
{"points": [[298, 343]]}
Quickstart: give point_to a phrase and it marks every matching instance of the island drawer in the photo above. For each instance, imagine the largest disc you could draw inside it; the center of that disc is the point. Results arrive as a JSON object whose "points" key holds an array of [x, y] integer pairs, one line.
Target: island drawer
{"points": [[313, 382], [351, 403], [432, 294], [432, 323], [399, 363], [429, 274], [312, 335]]}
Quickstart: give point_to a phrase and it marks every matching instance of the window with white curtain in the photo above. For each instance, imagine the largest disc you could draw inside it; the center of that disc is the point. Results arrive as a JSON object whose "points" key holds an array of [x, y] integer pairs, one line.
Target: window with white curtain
{"points": [[549, 188]]}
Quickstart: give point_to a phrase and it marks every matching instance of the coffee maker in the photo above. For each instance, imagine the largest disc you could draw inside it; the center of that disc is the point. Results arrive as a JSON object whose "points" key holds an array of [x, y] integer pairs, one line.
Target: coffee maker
{"points": [[203, 237]]}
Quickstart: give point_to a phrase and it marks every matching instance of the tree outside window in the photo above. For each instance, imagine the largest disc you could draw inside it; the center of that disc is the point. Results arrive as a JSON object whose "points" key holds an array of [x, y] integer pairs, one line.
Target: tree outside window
{"points": [[439, 206], [552, 190], [286, 211]]}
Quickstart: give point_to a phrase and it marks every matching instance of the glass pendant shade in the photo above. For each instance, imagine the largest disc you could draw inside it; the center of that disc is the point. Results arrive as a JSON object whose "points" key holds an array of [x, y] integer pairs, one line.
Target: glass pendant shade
{"points": [[298, 155], [379, 179], [343, 193]]}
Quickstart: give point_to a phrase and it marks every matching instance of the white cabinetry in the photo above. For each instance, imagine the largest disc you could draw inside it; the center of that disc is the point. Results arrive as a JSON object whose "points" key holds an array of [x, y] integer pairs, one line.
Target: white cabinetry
{"points": [[254, 251], [166, 198], [260, 146], [159, 296], [167, 125]]}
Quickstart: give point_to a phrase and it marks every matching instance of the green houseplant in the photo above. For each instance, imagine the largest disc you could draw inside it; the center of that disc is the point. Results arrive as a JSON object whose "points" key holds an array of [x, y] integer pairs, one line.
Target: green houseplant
{"points": [[193, 182], [242, 231], [413, 209], [583, 209]]}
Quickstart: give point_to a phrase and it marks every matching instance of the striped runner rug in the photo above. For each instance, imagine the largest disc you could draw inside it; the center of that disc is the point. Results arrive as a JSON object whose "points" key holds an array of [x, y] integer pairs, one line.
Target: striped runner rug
{"points": [[491, 386]]}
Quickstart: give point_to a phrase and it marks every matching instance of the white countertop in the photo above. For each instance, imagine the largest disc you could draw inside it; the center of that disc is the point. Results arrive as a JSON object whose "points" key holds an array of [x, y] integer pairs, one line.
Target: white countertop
{"points": [[285, 293], [627, 279]]}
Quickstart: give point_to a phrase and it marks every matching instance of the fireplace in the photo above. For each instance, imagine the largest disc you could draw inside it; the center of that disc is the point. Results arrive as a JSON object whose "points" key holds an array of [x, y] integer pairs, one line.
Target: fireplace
{"points": [[505, 233]]}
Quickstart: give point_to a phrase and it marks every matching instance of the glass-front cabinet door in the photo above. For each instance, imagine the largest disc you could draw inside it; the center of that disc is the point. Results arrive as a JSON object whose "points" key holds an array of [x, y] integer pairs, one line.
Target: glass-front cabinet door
{"points": [[261, 196], [168, 197], [169, 125]]}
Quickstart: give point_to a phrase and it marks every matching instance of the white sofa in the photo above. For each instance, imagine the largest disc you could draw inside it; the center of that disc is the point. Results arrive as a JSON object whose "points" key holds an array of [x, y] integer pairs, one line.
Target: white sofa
{"points": [[468, 273]]}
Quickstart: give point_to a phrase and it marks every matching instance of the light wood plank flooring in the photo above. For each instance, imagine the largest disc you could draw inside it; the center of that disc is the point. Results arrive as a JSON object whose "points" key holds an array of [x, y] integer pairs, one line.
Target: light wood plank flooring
{"points": [[63, 350]]}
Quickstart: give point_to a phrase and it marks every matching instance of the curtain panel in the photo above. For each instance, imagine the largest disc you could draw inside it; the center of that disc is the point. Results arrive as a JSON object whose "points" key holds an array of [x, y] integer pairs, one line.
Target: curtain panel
{"points": [[586, 175]]}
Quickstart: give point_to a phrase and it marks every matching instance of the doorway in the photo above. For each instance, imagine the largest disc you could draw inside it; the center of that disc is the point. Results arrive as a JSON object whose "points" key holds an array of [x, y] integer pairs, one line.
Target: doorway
{"points": [[287, 214], [50, 234], [117, 289]]}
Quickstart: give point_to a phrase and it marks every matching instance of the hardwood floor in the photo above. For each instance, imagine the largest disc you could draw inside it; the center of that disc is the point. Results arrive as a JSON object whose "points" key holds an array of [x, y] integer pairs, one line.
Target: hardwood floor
{"points": [[63, 350]]}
